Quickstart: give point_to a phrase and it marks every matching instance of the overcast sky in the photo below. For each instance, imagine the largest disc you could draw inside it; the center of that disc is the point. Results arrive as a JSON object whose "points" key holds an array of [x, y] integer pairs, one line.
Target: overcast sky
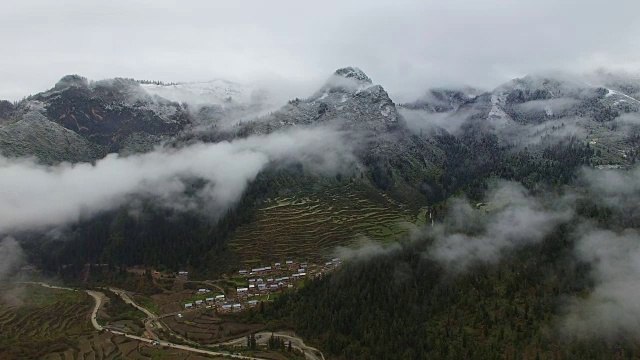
{"points": [[407, 46]]}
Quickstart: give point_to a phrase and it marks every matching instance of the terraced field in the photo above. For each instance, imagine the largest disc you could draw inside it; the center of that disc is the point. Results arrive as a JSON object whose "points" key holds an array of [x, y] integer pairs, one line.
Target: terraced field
{"points": [[38, 322], [207, 328], [42, 321], [312, 226], [108, 346]]}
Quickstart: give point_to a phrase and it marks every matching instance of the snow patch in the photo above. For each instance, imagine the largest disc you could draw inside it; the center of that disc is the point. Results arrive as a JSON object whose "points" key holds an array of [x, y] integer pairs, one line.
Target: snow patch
{"points": [[496, 114], [386, 111], [200, 93]]}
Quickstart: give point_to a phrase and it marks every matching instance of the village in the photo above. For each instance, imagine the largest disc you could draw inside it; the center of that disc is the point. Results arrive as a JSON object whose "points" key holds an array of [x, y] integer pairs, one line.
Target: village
{"points": [[256, 284]]}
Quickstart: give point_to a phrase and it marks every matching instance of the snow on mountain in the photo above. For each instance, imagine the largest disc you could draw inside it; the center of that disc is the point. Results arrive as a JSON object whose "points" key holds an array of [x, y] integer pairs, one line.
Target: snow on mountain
{"points": [[217, 92]]}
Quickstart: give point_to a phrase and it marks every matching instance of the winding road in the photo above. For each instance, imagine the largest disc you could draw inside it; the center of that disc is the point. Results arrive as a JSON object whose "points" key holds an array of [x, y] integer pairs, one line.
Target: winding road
{"points": [[311, 353], [97, 296]]}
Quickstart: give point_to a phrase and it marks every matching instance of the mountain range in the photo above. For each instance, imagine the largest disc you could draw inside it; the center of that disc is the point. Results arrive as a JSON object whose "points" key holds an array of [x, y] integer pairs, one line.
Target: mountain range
{"points": [[409, 157]]}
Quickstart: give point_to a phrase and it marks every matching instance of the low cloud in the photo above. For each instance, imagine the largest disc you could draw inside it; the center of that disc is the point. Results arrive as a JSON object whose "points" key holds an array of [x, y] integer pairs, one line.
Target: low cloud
{"points": [[510, 218], [418, 120], [612, 309], [550, 132], [629, 119], [11, 257], [615, 189], [36, 196], [365, 249], [551, 106]]}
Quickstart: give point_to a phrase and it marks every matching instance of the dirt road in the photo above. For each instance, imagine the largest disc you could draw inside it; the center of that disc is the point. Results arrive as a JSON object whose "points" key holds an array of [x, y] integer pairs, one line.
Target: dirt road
{"points": [[186, 348], [97, 296], [311, 353]]}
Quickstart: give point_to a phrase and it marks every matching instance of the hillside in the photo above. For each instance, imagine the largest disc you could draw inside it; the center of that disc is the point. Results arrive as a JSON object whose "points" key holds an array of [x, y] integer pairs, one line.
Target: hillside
{"points": [[399, 168]]}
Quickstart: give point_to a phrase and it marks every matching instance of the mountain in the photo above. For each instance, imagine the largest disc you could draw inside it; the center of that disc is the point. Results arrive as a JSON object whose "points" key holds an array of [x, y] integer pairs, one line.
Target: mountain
{"points": [[348, 95], [110, 115], [32, 134], [413, 163], [404, 168], [599, 109]]}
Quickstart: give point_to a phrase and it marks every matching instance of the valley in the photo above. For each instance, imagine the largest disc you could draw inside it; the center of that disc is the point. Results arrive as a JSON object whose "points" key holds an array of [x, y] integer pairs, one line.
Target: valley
{"points": [[340, 225]]}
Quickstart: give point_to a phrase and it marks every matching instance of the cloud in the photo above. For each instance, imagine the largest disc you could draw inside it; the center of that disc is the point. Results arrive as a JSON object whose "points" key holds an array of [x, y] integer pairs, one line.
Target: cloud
{"points": [[11, 257], [615, 189], [511, 218], [418, 120], [406, 45], [631, 119], [554, 106], [612, 308], [549, 132], [365, 249], [39, 196]]}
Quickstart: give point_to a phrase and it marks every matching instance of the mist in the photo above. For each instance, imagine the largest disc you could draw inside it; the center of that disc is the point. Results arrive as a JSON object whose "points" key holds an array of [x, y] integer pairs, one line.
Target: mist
{"points": [[480, 234], [37, 196], [11, 257], [612, 308], [422, 120]]}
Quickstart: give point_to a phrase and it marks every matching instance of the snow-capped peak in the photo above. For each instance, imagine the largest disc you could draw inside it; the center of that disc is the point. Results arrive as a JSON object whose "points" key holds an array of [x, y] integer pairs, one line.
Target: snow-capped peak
{"points": [[353, 73]]}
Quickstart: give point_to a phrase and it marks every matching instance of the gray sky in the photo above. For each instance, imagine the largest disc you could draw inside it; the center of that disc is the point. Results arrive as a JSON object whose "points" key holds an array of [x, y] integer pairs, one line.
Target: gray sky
{"points": [[407, 46]]}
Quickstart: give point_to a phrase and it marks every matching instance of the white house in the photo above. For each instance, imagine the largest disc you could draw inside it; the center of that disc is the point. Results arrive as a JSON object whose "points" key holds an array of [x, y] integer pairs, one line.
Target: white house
{"points": [[188, 306]]}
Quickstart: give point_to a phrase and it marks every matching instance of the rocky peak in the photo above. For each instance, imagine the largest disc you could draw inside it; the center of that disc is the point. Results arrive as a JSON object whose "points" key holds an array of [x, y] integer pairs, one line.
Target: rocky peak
{"points": [[353, 73], [74, 80]]}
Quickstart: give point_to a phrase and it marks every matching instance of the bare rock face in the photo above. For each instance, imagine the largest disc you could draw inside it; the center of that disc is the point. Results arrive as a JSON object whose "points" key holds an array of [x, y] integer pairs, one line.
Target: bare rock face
{"points": [[78, 120]]}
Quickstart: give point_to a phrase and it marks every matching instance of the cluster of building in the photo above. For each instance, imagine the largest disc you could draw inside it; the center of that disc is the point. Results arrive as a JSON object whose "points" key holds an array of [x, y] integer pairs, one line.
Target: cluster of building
{"points": [[262, 281], [210, 301], [279, 276]]}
